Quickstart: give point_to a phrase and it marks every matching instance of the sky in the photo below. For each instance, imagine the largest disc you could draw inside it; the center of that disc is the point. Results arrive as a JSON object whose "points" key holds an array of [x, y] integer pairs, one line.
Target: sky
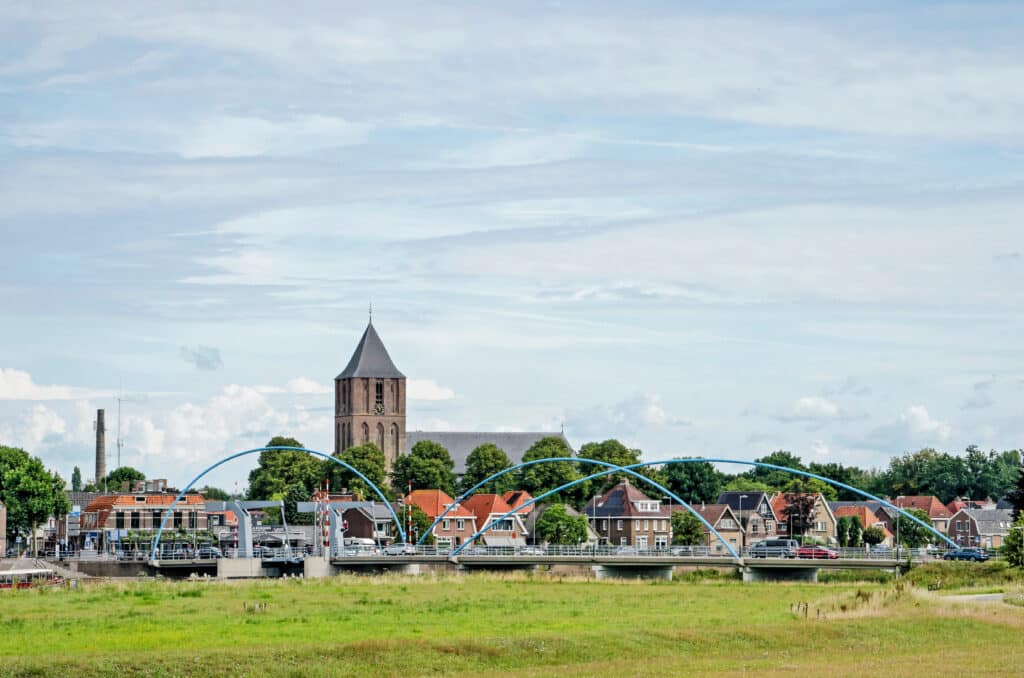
{"points": [[700, 230]]}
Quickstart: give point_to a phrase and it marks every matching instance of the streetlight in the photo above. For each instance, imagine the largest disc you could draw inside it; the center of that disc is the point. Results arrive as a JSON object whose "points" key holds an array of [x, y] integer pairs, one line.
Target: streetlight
{"points": [[593, 512], [743, 530]]}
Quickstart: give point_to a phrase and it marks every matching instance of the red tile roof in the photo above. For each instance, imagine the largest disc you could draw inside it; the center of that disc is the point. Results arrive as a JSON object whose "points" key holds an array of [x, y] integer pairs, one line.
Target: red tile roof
{"points": [[866, 515], [434, 502], [484, 505], [930, 504], [516, 498]]}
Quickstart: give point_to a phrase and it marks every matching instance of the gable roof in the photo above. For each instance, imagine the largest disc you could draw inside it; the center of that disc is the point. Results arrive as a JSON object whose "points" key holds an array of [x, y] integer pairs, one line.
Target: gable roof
{"points": [[928, 503], [868, 518], [620, 501], [736, 502], [485, 505], [990, 521], [434, 502], [516, 498], [460, 443], [370, 359], [714, 513]]}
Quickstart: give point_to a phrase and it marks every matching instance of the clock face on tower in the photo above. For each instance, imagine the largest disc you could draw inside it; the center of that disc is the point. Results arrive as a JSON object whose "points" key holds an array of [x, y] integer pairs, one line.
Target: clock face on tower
{"points": [[379, 408]]}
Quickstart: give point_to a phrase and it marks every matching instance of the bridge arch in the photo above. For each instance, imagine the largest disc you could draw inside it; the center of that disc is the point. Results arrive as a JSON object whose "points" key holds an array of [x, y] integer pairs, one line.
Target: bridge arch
{"points": [[611, 468], [182, 493], [798, 472]]}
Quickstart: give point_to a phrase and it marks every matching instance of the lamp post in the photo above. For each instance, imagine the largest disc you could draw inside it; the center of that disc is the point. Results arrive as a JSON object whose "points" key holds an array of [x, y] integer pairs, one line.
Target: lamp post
{"points": [[593, 513], [743, 529]]}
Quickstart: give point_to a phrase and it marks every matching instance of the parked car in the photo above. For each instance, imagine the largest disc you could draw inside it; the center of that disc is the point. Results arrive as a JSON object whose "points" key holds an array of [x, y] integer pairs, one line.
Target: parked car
{"points": [[774, 548], [209, 553], [974, 555], [400, 550], [818, 552], [531, 551], [681, 551], [625, 550]]}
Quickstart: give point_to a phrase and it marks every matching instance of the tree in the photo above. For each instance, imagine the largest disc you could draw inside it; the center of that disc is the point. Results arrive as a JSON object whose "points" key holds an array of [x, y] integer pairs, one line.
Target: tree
{"points": [[483, 462], [214, 493], [1013, 545], [76, 480], [558, 526], [540, 478], [277, 470], [420, 524], [849, 475], [774, 478], [292, 496], [811, 485], [926, 471], [428, 466], [856, 532], [843, 531], [694, 482], [873, 535], [368, 460], [121, 479], [744, 484], [910, 533], [30, 493], [800, 508], [1016, 495], [613, 452], [687, 530]]}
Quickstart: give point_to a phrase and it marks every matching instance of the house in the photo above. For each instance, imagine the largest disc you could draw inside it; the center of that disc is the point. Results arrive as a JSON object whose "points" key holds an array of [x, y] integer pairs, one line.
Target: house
{"points": [[109, 519], [625, 515], [962, 503], [986, 528], [864, 513], [491, 508], [458, 525], [928, 503], [724, 520], [821, 524], [530, 520], [371, 522], [516, 498], [755, 513]]}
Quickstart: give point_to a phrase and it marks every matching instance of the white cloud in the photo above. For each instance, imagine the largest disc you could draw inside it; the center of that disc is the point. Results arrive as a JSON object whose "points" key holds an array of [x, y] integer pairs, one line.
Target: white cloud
{"points": [[427, 389], [35, 425], [19, 385], [919, 422], [306, 386], [915, 427], [622, 418], [815, 407], [234, 136]]}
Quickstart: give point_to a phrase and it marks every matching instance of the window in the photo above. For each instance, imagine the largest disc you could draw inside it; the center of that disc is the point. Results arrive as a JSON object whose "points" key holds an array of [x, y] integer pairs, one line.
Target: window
{"points": [[366, 433], [641, 542], [157, 517], [380, 437], [768, 525], [754, 527], [660, 542], [177, 519], [460, 525], [379, 393], [959, 525], [140, 500], [366, 395], [604, 525], [647, 524], [622, 541], [446, 524], [636, 524], [727, 524], [618, 525], [193, 519], [394, 439], [397, 391], [119, 520], [136, 520]]}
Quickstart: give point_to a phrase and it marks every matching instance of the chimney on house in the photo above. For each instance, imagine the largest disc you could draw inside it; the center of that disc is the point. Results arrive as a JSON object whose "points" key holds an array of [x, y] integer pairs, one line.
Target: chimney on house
{"points": [[101, 447]]}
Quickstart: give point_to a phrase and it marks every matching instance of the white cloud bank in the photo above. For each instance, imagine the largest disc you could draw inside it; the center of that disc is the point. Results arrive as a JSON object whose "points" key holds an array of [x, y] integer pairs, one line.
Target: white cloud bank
{"points": [[19, 385]]}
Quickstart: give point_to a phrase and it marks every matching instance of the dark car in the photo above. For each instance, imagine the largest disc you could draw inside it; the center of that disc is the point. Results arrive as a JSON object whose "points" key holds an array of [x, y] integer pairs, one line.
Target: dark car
{"points": [[818, 552], [774, 548], [974, 555], [208, 553]]}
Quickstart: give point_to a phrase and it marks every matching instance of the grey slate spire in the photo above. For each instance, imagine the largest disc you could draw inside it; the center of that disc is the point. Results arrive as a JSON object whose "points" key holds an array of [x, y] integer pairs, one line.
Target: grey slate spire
{"points": [[371, 359]]}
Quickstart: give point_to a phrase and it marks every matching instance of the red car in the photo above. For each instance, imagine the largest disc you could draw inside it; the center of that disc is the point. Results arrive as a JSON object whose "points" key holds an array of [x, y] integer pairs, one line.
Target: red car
{"points": [[819, 552]]}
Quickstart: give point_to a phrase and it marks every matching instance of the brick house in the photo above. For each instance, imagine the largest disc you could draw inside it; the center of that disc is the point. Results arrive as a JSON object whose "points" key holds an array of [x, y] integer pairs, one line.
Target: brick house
{"points": [[821, 525], [109, 518], [755, 513], [724, 520], [986, 528], [371, 522], [456, 527], [867, 518], [487, 508], [938, 513], [626, 516]]}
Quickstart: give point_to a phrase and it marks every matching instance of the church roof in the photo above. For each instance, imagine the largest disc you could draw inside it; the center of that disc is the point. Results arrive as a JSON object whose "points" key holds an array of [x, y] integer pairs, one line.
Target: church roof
{"points": [[460, 443], [370, 359]]}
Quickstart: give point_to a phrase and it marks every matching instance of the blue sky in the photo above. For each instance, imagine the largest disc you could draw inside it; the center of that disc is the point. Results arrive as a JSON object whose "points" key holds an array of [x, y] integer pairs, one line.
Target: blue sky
{"points": [[700, 231]]}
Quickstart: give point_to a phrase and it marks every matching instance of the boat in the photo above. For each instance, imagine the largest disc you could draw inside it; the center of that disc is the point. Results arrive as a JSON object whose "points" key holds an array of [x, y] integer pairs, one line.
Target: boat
{"points": [[29, 578]]}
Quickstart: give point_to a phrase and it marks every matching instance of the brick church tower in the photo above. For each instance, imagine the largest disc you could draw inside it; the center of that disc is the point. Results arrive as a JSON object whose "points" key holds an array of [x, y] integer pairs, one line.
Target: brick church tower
{"points": [[369, 400]]}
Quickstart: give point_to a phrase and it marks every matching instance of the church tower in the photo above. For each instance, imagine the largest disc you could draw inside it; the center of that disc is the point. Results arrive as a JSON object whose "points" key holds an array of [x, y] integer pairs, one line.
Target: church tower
{"points": [[369, 400]]}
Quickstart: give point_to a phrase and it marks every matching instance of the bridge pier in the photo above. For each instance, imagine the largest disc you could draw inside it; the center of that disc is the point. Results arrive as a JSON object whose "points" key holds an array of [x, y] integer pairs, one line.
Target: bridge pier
{"points": [[663, 572], [799, 574], [239, 568]]}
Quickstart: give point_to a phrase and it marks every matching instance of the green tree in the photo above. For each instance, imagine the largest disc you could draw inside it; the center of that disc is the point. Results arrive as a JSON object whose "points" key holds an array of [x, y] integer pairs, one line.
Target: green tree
{"points": [[873, 535], [812, 485], [427, 466], [695, 482], [1016, 495], [483, 462], [292, 496], [76, 480], [856, 532], [368, 460], [910, 533], [557, 526], [1013, 545], [850, 475], [926, 471], [613, 452], [843, 531], [687, 530], [774, 478], [30, 493], [121, 479], [277, 470], [214, 493], [540, 478], [420, 524], [744, 484]]}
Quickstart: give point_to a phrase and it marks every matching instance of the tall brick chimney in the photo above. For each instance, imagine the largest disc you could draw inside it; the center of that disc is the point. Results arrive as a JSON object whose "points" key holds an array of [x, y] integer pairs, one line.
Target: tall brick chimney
{"points": [[101, 447]]}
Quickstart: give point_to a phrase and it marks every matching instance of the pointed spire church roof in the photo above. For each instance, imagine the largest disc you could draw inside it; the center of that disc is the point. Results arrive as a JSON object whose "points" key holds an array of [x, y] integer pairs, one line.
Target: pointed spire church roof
{"points": [[371, 359]]}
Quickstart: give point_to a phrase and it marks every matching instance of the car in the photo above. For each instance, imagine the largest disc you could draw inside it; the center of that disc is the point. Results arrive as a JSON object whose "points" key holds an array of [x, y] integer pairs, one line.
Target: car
{"points": [[208, 553], [626, 550], [774, 548], [817, 552], [400, 550], [975, 555], [531, 551], [681, 551]]}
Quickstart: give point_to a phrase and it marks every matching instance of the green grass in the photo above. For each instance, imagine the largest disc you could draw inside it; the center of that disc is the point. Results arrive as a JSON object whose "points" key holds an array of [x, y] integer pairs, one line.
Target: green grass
{"points": [[959, 574], [474, 625]]}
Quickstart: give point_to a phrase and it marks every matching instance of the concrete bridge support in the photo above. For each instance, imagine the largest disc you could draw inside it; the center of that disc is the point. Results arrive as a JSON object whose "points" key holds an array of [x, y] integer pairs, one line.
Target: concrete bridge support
{"points": [[798, 574], [239, 568], [663, 572]]}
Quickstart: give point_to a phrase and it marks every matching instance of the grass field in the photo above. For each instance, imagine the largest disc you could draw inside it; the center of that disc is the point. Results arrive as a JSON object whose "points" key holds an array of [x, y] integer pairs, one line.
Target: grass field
{"points": [[527, 626]]}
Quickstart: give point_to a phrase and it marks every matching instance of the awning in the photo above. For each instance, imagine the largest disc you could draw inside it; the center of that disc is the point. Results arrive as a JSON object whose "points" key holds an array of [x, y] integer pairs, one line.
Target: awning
{"points": [[502, 540]]}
